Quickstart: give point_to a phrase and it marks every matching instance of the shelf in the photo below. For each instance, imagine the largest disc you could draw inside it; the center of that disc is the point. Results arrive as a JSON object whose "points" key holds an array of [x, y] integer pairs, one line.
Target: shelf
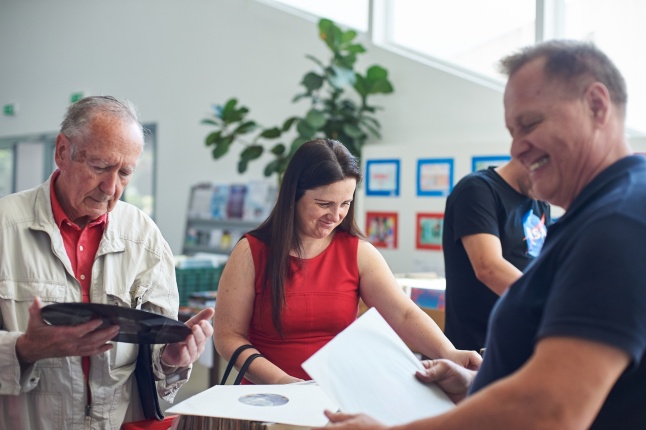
{"points": [[216, 236]]}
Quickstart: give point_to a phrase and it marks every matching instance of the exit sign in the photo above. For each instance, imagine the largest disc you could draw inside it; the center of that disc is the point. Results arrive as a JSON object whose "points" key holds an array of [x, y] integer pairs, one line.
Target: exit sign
{"points": [[9, 109], [76, 97]]}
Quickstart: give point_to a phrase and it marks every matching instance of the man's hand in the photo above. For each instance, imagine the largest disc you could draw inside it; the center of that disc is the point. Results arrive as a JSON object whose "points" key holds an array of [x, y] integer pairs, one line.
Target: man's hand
{"points": [[343, 421], [453, 379], [42, 340], [181, 354]]}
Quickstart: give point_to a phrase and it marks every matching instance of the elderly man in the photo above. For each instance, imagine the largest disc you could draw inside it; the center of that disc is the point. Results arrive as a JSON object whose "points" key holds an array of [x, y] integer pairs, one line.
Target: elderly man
{"points": [[567, 341], [72, 240]]}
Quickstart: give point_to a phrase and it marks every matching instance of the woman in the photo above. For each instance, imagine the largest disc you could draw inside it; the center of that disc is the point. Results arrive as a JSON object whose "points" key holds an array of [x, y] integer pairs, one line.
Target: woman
{"points": [[294, 283]]}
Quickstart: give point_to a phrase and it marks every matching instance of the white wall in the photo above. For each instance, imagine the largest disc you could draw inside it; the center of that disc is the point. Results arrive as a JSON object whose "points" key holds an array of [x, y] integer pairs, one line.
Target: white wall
{"points": [[176, 58]]}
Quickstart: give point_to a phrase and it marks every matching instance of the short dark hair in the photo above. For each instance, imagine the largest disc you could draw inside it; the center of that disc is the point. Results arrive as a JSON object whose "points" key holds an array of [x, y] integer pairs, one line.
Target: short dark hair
{"points": [[569, 61], [315, 164], [80, 114]]}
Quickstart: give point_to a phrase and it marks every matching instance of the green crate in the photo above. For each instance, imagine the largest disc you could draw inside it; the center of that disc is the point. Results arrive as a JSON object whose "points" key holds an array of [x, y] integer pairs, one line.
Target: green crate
{"points": [[193, 279]]}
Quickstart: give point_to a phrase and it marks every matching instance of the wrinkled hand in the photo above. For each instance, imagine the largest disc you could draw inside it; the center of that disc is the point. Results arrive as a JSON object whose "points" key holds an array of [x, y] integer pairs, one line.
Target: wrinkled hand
{"points": [[453, 379], [342, 421], [42, 340], [467, 359], [181, 354]]}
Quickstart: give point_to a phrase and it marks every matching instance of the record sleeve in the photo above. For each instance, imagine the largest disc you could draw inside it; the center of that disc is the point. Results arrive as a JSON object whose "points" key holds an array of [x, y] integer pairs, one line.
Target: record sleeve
{"points": [[135, 326]]}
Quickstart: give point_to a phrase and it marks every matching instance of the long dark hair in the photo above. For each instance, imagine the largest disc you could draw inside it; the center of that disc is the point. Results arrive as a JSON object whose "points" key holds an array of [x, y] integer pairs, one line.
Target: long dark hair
{"points": [[315, 164]]}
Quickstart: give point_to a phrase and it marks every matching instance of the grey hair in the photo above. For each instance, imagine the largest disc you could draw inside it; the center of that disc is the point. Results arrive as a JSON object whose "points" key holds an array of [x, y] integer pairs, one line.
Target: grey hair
{"points": [[80, 114], [569, 61]]}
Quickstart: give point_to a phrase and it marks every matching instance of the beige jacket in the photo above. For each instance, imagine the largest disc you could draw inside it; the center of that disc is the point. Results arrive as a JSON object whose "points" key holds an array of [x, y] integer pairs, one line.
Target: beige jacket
{"points": [[133, 268]]}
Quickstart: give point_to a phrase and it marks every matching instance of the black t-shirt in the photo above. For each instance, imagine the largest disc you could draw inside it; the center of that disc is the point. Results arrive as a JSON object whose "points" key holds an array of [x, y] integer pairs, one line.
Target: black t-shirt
{"points": [[482, 202]]}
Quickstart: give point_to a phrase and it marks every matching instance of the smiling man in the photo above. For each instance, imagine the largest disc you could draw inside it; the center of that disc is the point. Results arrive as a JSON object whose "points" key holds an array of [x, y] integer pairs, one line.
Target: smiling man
{"points": [[566, 343]]}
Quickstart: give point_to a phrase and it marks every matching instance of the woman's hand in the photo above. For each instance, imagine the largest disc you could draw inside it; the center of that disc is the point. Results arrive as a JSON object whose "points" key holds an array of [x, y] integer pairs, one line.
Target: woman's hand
{"points": [[467, 359], [453, 379]]}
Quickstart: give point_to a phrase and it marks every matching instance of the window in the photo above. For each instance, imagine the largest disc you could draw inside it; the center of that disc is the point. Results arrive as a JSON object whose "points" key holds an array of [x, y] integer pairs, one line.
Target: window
{"points": [[472, 34], [469, 37]]}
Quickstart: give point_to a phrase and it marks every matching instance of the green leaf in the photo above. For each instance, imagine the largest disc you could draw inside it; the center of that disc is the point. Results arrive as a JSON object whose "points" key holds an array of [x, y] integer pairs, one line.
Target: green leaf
{"points": [[355, 49], [376, 72], [305, 130], [242, 166], [298, 97], [212, 138], [353, 131], [381, 86], [368, 120], [279, 149], [230, 114], [348, 36], [289, 122], [329, 33], [361, 85], [271, 167], [210, 121], [372, 129], [271, 133], [316, 60], [245, 127], [221, 147], [312, 81], [251, 152], [315, 118]]}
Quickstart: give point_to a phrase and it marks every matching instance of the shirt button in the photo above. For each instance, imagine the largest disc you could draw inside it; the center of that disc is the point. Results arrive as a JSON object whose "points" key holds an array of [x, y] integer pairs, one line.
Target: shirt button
{"points": [[82, 277], [81, 247]]}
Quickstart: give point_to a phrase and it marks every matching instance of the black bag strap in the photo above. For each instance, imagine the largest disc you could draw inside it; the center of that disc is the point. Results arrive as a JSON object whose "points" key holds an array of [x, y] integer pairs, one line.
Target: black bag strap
{"points": [[245, 366], [146, 384], [232, 361]]}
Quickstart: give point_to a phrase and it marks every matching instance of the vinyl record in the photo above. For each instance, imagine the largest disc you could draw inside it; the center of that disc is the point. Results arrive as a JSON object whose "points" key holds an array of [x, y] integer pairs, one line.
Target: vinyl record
{"points": [[135, 326]]}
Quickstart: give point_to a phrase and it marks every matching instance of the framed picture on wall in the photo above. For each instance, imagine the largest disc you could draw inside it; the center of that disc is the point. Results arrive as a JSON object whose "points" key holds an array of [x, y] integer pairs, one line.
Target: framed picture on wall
{"points": [[382, 178], [381, 229], [428, 231], [479, 163], [434, 177]]}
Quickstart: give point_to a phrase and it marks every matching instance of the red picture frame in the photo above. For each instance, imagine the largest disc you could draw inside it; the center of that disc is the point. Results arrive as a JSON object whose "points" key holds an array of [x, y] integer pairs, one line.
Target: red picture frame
{"points": [[428, 230], [381, 229]]}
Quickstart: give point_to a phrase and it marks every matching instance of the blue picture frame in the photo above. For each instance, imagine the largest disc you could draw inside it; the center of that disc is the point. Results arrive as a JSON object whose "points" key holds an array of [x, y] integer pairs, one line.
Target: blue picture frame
{"points": [[479, 163], [382, 177], [435, 177]]}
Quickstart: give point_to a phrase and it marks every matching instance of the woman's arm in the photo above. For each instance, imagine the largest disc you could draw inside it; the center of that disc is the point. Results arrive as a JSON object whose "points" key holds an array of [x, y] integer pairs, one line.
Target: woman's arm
{"points": [[233, 312], [379, 288]]}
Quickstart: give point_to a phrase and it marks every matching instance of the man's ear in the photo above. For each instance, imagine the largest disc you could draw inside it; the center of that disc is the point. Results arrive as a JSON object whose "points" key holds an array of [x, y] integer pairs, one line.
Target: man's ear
{"points": [[61, 153], [597, 98]]}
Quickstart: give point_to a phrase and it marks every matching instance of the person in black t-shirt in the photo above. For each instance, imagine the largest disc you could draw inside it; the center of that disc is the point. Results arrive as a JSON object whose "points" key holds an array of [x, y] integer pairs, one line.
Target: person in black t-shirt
{"points": [[493, 228]]}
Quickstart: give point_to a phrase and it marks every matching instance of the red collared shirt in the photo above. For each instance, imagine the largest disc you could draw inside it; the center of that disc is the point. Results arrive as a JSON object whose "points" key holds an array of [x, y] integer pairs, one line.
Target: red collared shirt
{"points": [[81, 244]]}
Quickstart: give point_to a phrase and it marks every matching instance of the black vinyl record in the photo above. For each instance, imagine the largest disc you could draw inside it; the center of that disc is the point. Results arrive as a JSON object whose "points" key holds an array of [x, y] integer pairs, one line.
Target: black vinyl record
{"points": [[135, 326]]}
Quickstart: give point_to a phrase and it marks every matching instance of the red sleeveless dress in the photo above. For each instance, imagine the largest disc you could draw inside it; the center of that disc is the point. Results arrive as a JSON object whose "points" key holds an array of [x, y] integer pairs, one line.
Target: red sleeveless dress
{"points": [[322, 299]]}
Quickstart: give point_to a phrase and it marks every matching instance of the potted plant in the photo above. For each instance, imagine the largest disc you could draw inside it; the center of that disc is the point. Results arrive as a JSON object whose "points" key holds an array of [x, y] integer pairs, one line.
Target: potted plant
{"points": [[331, 112]]}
